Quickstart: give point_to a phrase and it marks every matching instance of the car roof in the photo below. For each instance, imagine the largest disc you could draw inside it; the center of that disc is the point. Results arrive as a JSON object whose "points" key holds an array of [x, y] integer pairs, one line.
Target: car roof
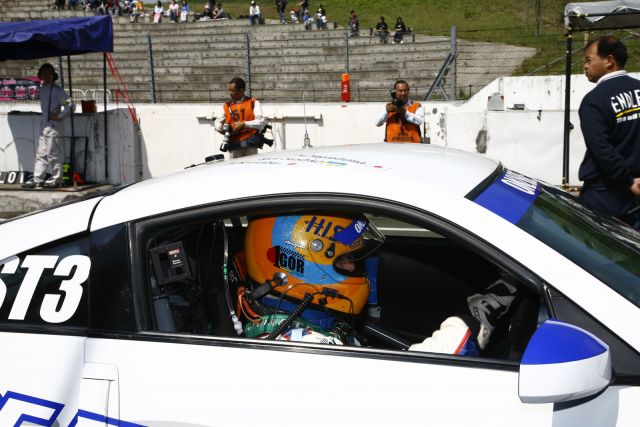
{"points": [[336, 169], [46, 226]]}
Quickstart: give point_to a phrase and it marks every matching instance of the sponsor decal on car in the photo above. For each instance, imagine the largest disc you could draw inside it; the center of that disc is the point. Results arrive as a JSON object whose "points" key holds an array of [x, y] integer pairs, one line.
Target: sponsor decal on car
{"points": [[17, 409], [510, 196], [55, 308]]}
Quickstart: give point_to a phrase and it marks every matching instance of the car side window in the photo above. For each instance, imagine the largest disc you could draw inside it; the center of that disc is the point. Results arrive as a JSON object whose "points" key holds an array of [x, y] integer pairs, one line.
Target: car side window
{"points": [[46, 286], [348, 278]]}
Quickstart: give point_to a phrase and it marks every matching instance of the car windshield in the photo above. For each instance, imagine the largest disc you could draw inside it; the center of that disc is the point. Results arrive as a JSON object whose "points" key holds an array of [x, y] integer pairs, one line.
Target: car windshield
{"points": [[607, 249]]}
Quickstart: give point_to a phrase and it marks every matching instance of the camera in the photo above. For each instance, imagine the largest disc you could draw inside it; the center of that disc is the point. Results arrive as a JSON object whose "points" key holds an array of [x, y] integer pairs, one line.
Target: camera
{"points": [[227, 138], [261, 139], [266, 140], [394, 99], [258, 142]]}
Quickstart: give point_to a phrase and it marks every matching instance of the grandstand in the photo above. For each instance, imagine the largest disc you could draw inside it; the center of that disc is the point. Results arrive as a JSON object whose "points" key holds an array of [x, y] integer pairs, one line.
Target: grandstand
{"points": [[192, 62]]}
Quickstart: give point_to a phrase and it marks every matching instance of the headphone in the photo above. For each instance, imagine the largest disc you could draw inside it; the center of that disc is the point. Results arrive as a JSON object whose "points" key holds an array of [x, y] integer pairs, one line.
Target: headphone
{"points": [[47, 65]]}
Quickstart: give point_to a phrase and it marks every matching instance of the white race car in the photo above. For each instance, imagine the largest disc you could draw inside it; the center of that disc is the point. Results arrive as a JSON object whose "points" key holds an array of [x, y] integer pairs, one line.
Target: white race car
{"points": [[125, 309]]}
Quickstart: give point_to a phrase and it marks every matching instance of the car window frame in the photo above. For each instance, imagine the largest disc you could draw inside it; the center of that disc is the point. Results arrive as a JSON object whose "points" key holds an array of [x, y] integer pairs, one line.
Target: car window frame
{"points": [[304, 202]]}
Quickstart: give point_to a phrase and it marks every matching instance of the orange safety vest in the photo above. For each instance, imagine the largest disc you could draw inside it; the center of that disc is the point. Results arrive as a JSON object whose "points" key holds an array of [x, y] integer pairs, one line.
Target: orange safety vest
{"points": [[240, 112], [399, 130]]}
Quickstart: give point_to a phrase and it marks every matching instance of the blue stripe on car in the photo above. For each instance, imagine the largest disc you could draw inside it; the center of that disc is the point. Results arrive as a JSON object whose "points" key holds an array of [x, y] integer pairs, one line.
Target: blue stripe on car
{"points": [[509, 196]]}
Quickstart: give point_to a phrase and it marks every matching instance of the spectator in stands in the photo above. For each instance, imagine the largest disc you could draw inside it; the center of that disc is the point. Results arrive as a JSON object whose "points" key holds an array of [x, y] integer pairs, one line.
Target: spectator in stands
{"points": [[254, 13], [244, 116], [207, 13], [354, 24], [400, 30], [402, 116], [382, 30], [184, 11], [88, 5], [158, 12], [321, 19], [320, 13], [127, 7], [102, 9], [218, 12], [302, 7], [115, 8], [280, 7], [138, 10], [307, 20], [73, 4], [294, 16], [174, 11]]}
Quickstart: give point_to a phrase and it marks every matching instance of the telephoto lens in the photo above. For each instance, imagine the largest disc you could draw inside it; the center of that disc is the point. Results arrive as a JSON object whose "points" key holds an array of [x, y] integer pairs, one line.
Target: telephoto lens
{"points": [[227, 137]]}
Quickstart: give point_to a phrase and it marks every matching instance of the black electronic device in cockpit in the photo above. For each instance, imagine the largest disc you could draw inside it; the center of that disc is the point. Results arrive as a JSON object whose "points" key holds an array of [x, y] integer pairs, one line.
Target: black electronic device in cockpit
{"points": [[170, 263]]}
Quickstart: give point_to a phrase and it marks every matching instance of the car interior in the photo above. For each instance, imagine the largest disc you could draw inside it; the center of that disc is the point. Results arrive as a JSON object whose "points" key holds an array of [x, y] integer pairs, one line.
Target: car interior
{"points": [[422, 278]]}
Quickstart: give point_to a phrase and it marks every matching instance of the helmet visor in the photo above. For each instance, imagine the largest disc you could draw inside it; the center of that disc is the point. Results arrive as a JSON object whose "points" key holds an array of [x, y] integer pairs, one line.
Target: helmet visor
{"points": [[351, 263]]}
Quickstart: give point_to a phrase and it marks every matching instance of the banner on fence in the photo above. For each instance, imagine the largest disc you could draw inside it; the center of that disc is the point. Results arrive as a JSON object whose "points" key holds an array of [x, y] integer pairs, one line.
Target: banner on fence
{"points": [[19, 89]]}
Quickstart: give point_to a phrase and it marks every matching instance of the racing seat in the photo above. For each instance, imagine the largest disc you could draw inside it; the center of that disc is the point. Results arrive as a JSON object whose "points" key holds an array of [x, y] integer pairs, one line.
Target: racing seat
{"points": [[513, 331]]}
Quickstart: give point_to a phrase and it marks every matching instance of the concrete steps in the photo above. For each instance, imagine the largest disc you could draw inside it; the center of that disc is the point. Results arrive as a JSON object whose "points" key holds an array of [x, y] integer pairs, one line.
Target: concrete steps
{"points": [[194, 61]]}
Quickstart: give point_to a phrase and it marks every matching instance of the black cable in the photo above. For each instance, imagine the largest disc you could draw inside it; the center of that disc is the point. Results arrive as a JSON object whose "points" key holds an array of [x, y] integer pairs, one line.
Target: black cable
{"points": [[294, 314]]}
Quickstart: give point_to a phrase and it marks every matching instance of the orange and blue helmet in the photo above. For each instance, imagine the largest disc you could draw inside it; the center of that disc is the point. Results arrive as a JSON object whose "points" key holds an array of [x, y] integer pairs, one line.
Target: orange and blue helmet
{"points": [[321, 254]]}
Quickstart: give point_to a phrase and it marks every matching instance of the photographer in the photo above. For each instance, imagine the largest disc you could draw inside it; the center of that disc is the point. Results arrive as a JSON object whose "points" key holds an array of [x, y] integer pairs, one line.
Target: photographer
{"points": [[243, 115], [402, 116]]}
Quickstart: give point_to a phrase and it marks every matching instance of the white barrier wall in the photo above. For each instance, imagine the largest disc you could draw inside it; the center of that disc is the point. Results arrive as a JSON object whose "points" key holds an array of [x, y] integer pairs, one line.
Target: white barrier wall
{"points": [[174, 136], [19, 132]]}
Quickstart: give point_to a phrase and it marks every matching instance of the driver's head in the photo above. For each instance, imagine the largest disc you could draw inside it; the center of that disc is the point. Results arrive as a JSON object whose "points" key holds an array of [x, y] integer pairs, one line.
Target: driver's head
{"points": [[316, 252]]}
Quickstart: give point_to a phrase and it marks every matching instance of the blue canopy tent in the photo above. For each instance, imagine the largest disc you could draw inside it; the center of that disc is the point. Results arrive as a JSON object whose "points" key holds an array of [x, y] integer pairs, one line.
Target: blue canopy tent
{"points": [[59, 37], [55, 37]]}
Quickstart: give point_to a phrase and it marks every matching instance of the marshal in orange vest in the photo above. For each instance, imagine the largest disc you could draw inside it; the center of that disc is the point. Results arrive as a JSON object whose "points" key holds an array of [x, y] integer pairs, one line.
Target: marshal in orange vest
{"points": [[240, 112], [399, 130]]}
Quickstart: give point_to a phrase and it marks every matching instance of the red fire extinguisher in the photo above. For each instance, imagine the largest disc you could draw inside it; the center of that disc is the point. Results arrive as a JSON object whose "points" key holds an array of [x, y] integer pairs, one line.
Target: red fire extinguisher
{"points": [[346, 88]]}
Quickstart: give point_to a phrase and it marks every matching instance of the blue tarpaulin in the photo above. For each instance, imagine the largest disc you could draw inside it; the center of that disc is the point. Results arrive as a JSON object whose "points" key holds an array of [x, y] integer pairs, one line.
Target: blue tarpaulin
{"points": [[55, 37]]}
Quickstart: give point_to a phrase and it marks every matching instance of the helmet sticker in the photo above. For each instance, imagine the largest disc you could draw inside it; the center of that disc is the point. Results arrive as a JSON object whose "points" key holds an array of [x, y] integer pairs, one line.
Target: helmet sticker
{"points": [[321, 227], [294, 244], [352, 232], [287, 259]]}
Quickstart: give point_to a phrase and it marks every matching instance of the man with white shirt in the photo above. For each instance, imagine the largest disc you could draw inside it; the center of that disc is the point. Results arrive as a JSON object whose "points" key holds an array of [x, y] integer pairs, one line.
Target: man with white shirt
{"points": [[254, 13], [56, 106], [610, 123], [402, 116]]}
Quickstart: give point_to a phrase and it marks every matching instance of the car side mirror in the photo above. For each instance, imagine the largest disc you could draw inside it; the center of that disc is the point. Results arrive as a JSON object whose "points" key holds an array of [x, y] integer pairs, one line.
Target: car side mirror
{"points": [[563, 362]]}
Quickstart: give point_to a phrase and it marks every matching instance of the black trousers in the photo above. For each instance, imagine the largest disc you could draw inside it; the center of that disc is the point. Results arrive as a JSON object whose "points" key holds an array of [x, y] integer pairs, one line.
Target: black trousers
{"points": [[612, 201]]}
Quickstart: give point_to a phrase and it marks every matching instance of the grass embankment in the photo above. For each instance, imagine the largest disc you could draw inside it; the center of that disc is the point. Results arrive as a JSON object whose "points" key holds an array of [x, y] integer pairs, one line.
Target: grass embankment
{"points": [[501, 21]]}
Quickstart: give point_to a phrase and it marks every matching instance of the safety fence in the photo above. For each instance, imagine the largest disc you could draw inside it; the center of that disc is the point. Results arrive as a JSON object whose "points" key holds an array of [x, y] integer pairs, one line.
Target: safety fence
{"points": [[284, 63]]}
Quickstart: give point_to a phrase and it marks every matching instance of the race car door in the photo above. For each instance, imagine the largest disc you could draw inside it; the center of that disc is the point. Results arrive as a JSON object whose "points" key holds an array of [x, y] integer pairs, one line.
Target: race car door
{"points": [[44, 317], [170, 375]]}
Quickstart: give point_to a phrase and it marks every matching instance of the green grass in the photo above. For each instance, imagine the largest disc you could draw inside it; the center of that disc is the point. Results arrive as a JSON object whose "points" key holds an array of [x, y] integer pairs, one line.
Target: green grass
{"points": [[501, 21]]}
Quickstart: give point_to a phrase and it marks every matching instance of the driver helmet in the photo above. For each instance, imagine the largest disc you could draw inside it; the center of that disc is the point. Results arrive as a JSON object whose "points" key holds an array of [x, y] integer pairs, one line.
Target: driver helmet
{"points": [[320, 254]]}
